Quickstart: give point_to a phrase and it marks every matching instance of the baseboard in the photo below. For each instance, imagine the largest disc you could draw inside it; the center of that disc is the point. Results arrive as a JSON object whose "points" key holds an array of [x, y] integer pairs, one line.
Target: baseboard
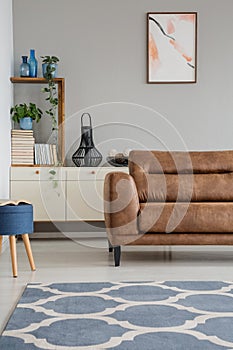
{"points": [[69, 226], [68, 235], [64, 230]]}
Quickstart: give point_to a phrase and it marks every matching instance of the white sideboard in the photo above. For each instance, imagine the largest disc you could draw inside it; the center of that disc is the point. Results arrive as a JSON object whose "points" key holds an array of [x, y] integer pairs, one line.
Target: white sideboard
{"points": [[62, 193]]}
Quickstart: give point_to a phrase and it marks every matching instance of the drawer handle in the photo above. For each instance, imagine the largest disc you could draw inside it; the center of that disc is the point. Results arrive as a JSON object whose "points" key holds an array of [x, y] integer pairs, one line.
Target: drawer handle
{"points": [[37, 172], [93, 172]]}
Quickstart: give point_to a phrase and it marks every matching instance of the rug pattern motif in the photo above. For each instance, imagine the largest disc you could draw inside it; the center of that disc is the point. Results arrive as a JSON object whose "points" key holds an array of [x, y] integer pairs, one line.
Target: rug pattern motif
{"points": [[123, 315]]}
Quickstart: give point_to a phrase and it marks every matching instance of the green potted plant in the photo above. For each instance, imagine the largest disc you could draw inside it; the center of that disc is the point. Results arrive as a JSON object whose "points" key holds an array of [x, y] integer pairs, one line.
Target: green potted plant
{"points": [[49, 69], [49, 66], [24, 114]]}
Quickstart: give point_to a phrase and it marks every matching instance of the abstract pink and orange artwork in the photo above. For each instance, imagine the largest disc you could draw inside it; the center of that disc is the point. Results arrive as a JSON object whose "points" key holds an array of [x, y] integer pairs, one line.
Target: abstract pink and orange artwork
{"points": [[172, 47]]}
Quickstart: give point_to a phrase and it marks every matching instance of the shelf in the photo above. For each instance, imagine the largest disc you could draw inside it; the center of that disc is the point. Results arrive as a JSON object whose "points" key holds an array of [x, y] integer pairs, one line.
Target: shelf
{"points": [[33, 80], [60, 108], [34, 165]]}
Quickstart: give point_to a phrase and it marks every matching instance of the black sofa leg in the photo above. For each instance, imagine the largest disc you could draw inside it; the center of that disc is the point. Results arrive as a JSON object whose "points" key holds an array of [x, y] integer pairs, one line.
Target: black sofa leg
{"points": [[117, 255], [110, 247]]}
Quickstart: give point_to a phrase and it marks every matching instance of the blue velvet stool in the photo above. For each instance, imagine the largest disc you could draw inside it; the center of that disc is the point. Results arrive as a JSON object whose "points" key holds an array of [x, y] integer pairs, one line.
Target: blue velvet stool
{"points": [[17, 220]]}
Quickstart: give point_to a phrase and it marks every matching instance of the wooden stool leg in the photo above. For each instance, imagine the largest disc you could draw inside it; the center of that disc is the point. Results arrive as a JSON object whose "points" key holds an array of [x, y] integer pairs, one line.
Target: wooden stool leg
{"points": [[0, 244], [28, 250], [13, 254]]}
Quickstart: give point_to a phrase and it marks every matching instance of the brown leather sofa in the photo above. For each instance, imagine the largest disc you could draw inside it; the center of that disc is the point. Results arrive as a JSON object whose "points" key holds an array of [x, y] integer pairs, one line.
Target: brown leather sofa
{"points": [[170, 198]]}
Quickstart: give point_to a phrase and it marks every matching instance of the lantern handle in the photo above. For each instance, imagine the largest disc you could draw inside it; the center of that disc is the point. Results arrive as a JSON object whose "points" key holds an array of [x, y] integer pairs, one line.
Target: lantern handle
{"points": [[89, 119]]}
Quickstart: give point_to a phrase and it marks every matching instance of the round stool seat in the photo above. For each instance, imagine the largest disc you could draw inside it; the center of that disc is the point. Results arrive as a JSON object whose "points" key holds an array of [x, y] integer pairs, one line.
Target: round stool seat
{"points": [[16, 219]]}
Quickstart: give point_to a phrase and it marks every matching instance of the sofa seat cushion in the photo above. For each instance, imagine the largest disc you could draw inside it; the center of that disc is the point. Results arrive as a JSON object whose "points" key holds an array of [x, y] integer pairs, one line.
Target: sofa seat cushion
{"points": [[186, 217], [185, 187]]}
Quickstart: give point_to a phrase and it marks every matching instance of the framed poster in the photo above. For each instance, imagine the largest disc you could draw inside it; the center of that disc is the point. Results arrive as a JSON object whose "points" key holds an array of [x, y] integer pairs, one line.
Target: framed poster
{"points": [[171, 47]]}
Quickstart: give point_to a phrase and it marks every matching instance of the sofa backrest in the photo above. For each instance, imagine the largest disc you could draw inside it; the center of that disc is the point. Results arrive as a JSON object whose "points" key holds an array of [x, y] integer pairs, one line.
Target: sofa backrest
{"points": [[182, 176]]}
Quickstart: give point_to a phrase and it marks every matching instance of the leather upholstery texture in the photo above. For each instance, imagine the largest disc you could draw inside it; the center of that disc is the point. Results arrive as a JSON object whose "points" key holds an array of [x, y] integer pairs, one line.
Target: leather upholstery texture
{"points": [[164, 162], [171, 192], [186, 217]]}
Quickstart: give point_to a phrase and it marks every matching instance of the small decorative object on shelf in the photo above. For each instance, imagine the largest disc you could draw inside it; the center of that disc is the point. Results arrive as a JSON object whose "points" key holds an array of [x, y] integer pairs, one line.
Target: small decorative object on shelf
{"points": [[49, 66], [32, 64], [22, 147], [45, 154], [24, 67], [118, 159], [25, 123], [24, 114], [86, 154]]}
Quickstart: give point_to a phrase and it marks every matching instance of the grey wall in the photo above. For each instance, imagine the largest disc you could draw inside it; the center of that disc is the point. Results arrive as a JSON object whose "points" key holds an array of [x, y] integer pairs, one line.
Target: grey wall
{"points": [[102, 48], [6, 68]]}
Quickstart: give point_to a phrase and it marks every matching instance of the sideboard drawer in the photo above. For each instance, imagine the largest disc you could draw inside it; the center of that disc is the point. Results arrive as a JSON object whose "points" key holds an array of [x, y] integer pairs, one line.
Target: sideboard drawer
{"points": [[37, 173], [91, 174]]}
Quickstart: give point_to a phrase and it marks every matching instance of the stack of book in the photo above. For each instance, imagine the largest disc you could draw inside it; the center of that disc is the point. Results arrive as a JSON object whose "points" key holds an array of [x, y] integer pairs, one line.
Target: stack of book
{"points": [[45, 154], [22, 147]]}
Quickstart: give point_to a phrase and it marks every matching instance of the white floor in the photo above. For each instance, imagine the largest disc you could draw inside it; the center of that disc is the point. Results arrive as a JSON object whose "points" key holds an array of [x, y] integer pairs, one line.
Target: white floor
{"points": [[88, 260]]}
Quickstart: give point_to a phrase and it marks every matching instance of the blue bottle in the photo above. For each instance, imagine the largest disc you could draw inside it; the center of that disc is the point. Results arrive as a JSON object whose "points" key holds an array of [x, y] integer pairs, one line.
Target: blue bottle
{"points": [[24, 67], [32, 64]]}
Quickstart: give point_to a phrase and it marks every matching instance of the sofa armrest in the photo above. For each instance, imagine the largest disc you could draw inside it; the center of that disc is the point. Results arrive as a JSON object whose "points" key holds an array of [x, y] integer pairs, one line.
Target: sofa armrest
{"points": [[121, 208]]}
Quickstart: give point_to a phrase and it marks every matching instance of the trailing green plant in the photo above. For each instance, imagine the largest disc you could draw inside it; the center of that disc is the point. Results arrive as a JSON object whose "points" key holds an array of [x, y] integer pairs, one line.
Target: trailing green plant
{"points": [[52, 178], [50, 59], [51, 90], [23, 110]]}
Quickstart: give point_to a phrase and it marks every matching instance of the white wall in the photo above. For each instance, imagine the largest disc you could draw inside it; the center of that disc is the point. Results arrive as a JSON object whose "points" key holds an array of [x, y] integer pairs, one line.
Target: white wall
{"points": [[102, 48], [6, 69], [6, 65]]}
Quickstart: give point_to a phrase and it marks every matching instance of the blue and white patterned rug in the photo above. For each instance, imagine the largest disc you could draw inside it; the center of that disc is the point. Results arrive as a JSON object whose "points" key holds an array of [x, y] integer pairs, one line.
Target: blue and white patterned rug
{"points": [[125, 316]]}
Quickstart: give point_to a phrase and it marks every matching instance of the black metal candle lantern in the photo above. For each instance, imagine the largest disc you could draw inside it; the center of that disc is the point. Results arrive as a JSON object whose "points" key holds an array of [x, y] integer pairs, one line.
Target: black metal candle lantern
{"points": [[86, 154]]}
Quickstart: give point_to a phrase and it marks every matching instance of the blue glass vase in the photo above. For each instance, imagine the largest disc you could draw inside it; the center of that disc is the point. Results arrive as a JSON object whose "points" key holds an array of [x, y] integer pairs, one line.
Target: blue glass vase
{"points": [[32, 64], [24, 67]]}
